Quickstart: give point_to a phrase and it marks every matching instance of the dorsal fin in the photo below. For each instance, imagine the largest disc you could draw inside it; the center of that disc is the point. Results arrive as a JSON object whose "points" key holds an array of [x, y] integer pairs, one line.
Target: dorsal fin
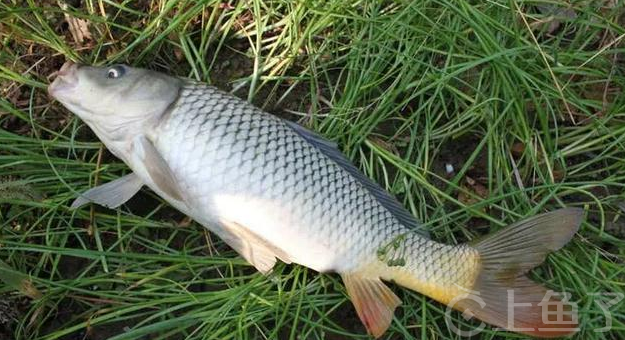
{"points": [[330, 150]]}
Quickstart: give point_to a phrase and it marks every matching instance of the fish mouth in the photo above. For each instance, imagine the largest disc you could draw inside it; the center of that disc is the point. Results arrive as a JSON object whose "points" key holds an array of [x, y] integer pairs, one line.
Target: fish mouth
{"points": [[66, 80]]}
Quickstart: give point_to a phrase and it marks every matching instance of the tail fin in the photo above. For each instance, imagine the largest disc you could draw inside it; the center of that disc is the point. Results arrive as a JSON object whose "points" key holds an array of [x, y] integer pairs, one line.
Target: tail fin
{"points": [[505, 257]]}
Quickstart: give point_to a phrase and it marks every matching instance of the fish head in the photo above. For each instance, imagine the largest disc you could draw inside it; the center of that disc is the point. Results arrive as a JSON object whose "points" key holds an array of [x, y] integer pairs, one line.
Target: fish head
{"points": [[115, 100]]}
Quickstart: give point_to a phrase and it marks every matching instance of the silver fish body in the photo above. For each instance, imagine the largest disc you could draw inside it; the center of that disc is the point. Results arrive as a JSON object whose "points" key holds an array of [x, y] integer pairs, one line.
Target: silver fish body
{"points": [[237, 163], [273, 190]]}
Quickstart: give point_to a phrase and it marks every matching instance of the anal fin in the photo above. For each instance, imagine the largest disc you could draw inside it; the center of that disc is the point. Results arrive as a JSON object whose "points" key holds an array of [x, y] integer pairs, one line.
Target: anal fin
{"points": [[375, 303], [252, 247]]}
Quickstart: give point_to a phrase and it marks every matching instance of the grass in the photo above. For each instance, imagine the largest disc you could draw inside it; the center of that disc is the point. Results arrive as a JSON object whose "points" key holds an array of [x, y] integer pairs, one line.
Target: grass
{"points": [[525, 104]]}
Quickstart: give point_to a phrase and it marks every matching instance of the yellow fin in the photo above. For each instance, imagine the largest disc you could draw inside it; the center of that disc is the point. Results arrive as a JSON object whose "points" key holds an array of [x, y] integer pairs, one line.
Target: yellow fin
{"points": [[375, 303], [505, 257], [252, 247]]}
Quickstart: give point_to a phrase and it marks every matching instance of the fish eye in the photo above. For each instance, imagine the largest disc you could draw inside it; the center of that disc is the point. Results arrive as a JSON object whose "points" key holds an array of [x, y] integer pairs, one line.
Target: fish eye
{"points": [[115, 72]]}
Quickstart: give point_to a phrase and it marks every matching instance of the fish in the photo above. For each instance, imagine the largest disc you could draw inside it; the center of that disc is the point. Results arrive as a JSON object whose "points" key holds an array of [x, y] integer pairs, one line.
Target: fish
{"points": [[274, 190]]}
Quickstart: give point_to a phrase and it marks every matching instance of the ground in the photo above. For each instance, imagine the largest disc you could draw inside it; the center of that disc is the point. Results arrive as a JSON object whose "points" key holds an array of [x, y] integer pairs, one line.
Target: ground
{"points": [[521, 98]]}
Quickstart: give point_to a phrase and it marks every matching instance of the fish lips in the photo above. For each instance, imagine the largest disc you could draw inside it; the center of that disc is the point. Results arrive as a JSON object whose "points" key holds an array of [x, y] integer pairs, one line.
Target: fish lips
{"points": [[66, 80]]}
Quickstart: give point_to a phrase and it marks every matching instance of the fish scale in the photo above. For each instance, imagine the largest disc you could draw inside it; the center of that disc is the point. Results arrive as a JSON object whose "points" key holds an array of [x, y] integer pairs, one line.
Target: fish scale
{"points": [[250, 154]]}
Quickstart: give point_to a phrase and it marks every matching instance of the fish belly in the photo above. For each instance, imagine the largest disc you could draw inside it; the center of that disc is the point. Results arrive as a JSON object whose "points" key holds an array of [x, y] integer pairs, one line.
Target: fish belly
{"points": [[273, 222]]}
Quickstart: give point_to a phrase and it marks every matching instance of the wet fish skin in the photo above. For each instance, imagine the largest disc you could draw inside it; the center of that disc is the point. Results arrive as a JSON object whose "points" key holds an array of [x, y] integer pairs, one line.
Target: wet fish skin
{"points": [[274, 190], [231, 157], [238, 163]]}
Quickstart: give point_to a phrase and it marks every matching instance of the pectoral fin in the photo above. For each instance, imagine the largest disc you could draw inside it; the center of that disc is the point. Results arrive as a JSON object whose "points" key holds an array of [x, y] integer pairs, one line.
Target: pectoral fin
{"points": [[112, 194], [157, 168], [375, 303], [252, 247]]}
